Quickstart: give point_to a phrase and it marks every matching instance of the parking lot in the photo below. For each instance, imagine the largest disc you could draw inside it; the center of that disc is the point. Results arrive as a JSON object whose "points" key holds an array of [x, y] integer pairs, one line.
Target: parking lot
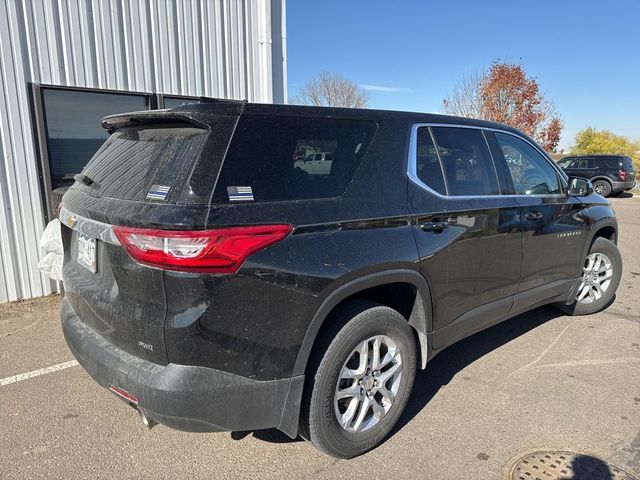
{"points": [[541, 381]]}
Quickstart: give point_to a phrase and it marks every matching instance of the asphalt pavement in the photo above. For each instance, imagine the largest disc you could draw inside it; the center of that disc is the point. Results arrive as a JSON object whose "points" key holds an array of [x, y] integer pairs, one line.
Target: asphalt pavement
{"points": [[540, 381]]}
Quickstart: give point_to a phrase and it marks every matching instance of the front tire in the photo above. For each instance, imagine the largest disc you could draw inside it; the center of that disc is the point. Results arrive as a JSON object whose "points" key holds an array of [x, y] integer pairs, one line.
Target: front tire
{"points": [[601, 274], [359, 380]]}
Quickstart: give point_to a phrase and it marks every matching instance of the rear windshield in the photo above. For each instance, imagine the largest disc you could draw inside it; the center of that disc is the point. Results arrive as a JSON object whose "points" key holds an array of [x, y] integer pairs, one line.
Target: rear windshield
{"points": [[627, 163], [145, 163], [273, 158]]}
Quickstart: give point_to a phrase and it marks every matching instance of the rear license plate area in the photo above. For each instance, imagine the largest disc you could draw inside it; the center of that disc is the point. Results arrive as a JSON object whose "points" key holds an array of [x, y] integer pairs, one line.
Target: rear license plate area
{"points": [[87, 252]]}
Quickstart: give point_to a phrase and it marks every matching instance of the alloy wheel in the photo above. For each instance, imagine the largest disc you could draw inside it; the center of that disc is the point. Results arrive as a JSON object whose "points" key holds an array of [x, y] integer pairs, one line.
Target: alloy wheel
{"points": [[368, 384], [600, 188], [596, 278]]}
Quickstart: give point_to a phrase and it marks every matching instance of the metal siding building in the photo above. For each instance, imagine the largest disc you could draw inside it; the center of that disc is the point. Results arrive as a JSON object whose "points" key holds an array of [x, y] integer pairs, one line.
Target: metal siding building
{"points": [[210, 48]]}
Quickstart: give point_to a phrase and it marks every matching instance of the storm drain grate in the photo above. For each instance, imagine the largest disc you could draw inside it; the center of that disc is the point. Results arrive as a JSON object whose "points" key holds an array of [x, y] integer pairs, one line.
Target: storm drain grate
{"points": [[566, 466]]}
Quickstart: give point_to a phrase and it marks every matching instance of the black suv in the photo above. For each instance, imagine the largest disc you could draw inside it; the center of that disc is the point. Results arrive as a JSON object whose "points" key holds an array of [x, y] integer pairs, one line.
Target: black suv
{"points": [[610, 174], [217, 280]]}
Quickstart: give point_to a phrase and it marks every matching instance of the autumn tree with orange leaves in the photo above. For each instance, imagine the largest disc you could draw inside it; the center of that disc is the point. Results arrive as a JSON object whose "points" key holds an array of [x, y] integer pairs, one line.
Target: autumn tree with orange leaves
{"points": [[506, 94]]}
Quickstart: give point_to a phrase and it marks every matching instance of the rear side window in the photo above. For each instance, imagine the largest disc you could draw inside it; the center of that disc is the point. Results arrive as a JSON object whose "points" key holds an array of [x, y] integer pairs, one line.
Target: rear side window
{"points": [[531, 173], [466, 161], [610, 163], [274, 158]]}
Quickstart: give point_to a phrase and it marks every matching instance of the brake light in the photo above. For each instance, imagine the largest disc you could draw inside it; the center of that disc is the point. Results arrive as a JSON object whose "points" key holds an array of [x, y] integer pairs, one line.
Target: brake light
{"points": [[222, 250], [622, 175]]}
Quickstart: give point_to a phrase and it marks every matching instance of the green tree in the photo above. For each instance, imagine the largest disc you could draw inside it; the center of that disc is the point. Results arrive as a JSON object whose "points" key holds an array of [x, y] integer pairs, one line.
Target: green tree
{"points": [[591, 141]]}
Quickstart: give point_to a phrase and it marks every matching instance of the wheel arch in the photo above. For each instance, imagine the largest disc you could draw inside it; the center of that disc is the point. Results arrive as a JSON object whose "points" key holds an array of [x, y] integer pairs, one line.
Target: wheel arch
{"points": [[605, 227], [607, 230], [602, 177], [418, 315]]}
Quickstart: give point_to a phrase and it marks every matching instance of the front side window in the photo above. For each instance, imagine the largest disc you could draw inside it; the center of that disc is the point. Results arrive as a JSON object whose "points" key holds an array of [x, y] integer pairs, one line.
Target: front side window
{"points": [[531, 173], [566, 163], [466, 161]]}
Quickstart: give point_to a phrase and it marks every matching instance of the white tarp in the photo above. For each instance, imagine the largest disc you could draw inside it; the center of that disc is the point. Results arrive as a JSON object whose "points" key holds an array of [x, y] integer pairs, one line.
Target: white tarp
{"points": [[51, 243]]}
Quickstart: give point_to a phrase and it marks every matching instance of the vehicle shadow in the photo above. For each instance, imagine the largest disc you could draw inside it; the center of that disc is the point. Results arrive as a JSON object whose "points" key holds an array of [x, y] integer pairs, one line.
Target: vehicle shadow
{"points": [[624, 195], [441, 369]]}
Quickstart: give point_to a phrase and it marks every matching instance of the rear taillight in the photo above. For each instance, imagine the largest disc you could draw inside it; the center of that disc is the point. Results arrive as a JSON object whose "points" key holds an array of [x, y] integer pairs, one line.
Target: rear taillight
{"points": [[221, 250], [622, 175]]}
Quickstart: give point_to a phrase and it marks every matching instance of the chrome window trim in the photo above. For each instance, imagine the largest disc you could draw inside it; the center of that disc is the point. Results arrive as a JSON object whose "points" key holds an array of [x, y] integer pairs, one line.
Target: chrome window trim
{"points": [[412, 165], [493, 160]]}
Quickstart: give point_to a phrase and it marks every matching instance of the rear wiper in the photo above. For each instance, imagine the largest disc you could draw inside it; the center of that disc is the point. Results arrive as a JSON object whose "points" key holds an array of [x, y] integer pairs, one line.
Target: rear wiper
{"points": [[84, 179]]}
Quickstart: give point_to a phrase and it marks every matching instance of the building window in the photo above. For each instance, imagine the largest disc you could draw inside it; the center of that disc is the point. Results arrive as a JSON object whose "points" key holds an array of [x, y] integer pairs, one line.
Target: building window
{"points": [[173, 102], [73, 128]]}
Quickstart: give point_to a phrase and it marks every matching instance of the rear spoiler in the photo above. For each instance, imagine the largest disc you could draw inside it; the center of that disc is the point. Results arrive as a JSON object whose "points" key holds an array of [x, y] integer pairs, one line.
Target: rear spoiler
{"points": [[113, 122], [195, 114]]}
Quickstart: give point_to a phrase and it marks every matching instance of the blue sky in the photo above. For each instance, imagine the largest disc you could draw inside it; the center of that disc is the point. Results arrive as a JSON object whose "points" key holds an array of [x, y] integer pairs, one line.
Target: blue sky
{"points": [[585, 54]]}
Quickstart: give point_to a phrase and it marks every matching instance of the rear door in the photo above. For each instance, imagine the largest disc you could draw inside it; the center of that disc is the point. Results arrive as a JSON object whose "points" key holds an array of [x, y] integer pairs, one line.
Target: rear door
{"points": [[468, 234], [554, 230], [142, 176], [586, 167]]}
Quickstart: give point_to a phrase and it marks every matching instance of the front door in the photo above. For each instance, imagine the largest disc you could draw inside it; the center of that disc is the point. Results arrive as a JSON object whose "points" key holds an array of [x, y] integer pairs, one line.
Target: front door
{"points": [[554, 229], [468, 234]]}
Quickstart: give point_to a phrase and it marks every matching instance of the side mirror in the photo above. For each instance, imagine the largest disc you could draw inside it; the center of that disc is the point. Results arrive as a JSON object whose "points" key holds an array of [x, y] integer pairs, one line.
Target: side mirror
{"points": [[580, 187]]}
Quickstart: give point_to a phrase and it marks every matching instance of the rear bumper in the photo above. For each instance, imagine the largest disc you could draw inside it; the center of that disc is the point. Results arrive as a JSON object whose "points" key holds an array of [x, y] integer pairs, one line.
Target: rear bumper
{"points": [[622, 186], [189, 398]]}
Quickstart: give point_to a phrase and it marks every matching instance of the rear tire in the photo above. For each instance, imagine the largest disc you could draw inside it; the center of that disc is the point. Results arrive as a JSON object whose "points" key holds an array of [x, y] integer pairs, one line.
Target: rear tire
{"points": [[346, 376], [606, 274], [602, 187]]}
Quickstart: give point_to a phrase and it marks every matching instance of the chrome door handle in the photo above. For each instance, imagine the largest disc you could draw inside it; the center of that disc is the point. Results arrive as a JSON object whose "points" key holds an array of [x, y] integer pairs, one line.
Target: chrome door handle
{"points": [[534, 215], [433, 226]]}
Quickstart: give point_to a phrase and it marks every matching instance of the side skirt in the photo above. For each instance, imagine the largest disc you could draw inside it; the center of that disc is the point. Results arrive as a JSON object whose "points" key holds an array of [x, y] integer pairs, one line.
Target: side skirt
{"points": [[490, 314]]}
